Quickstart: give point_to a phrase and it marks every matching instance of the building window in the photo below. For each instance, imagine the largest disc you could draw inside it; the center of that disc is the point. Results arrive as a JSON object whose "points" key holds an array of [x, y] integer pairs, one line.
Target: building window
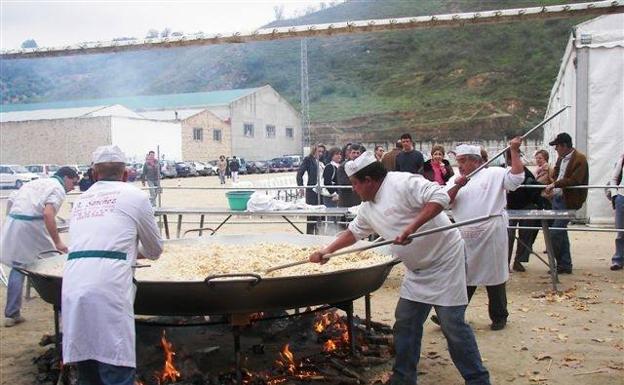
{"points": [[198, 134], [216, 135], [290, 133], [270, 131], [248, 130]]}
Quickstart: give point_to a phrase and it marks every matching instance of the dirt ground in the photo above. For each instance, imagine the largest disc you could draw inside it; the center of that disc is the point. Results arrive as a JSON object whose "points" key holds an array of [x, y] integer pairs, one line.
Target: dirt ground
{"points": [[575, 337]]}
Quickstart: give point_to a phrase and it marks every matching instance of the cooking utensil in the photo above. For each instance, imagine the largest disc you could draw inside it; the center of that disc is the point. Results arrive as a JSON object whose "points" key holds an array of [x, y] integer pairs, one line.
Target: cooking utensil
{"points": [[384, 243]]}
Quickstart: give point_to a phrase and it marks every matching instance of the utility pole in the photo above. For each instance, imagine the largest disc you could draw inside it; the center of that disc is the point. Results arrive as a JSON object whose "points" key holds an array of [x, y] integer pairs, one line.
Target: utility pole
{"points": [[305, 96]]}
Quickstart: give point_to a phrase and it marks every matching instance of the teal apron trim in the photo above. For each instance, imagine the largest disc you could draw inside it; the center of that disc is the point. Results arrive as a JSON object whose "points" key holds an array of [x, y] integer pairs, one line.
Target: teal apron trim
{"points": [[60, 180], [21, 217], [97, 254]]}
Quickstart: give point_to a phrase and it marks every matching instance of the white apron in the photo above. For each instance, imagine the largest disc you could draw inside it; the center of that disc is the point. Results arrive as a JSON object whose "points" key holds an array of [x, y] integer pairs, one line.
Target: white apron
{"points": [[98, 293], [435, 264], [486, 252], [24, 235]]}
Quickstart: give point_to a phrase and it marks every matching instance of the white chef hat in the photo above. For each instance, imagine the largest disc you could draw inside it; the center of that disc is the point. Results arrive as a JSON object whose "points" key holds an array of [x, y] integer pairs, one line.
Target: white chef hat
{"points": [[108, 154], [467, 149], [353, 166]]}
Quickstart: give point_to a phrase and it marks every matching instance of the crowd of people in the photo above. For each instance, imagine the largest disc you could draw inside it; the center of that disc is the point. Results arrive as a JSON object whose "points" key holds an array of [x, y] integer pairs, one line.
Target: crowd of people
{"points": [[398, 194]]}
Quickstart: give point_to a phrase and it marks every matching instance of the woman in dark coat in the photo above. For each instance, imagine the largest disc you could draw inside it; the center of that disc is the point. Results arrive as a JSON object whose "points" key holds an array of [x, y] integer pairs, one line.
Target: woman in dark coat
{"points": [[330, 178], [310, 165], [437, 169]]}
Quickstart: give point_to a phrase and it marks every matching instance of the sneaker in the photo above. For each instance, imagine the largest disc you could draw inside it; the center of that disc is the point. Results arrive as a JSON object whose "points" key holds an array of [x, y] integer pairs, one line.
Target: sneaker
{"points": [[498, 325], [517, 266], [434, 318], [8, 321], [615, 267]]}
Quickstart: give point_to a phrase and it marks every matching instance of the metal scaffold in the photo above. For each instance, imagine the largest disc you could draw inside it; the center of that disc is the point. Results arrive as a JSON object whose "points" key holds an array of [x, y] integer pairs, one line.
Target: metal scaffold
{"points": [[329, 29]]}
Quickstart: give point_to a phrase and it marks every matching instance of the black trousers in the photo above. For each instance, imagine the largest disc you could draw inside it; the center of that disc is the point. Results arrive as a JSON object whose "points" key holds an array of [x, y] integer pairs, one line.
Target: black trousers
{"points": [[311, 199], [497, 301], [525, 237]]}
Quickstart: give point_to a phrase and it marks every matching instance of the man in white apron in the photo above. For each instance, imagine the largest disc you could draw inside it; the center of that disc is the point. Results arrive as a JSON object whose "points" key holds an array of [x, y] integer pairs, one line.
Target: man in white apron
{"points": [[112, 225], [395, 205], [31, 229], [486, 242]]}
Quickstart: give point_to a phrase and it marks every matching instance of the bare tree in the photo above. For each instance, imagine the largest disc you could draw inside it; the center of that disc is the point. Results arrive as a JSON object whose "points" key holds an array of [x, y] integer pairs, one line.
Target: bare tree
{"points": [[152, 33], [165, 32], [278, 10]]}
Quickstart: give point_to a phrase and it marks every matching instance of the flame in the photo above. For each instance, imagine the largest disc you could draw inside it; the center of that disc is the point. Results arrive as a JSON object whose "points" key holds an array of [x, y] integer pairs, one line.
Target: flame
{"points": [[329, 346], [334, 325], [287, 360], [169, 371]]}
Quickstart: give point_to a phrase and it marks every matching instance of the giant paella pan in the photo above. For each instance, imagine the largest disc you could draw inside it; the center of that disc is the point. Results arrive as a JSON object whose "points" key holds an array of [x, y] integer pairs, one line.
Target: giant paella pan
{"points": [[238, 292]]}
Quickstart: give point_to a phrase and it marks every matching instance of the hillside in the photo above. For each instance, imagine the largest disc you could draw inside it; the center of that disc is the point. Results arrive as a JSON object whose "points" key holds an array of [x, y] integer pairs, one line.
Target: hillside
{"points": [[462, 83]]}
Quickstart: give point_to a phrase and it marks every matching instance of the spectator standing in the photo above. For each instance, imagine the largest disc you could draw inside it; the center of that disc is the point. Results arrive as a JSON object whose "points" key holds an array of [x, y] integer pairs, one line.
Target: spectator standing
{"points": [[522, 199], [379, 153], [87, 180], [571, 169], [228, 173], [222, 166], [617, 200], [437, 169], [310, 166], [151, 175], [234, 167], [389, 158], [348, 197], [330, 177], [409, 159], [543, 176]]}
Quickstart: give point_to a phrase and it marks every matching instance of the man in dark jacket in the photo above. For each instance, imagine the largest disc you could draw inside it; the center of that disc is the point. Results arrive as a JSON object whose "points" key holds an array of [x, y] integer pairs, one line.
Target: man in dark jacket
{"points": [[522, 199], [571, 169], [409, 160], [347, 197]]}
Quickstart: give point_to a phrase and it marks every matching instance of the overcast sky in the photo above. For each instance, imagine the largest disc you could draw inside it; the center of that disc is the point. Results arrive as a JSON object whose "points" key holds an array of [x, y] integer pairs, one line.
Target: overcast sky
{"points": [[54, 23]]}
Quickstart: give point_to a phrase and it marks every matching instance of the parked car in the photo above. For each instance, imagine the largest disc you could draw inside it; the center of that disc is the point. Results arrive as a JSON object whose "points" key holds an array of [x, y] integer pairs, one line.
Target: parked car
{"points": [[138, 167], [296, 160], [257, 167], [213, 165], [204, 169], [42, 170], [13, 175], [281, 164], [183, 169], [168, 169], [83, 168]]}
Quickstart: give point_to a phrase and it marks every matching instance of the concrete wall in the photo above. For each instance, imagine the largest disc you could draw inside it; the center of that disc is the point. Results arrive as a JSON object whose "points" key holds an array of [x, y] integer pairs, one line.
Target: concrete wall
{"points": [[59, 141], [138, 136], [207, 149], [262, 108]]}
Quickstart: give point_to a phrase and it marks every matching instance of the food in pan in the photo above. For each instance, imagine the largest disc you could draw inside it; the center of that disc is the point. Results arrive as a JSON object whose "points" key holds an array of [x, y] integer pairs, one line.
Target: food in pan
{"points": [[184, 262]]}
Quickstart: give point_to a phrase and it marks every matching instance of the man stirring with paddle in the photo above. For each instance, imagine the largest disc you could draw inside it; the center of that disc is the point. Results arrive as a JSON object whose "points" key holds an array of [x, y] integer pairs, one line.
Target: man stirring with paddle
{"points": [[401, 203]]}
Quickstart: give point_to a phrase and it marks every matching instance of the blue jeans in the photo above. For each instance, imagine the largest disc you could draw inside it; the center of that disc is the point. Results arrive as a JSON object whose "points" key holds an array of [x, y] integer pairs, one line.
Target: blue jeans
{"points": [[15, 288], [93, 372], [559, 238], [618, 257], [462, 345]]}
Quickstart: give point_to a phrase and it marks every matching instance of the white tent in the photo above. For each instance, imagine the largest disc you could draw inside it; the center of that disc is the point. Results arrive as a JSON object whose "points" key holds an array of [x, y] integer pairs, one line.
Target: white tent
{"points": [[591, 81]]}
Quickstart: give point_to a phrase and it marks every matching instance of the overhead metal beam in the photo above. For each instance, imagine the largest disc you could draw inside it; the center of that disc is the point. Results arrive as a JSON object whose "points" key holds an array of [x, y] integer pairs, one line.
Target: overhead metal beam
{"points": [[329, 29]]}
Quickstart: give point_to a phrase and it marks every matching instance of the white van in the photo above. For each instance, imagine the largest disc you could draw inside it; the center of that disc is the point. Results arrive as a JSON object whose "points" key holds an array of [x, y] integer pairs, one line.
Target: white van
{"points": [[13, 175]]}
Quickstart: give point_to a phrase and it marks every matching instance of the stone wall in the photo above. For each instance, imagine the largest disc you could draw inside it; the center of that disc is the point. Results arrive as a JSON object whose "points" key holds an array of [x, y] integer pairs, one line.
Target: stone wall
{"points": [[206, 149], [57, 141]]}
